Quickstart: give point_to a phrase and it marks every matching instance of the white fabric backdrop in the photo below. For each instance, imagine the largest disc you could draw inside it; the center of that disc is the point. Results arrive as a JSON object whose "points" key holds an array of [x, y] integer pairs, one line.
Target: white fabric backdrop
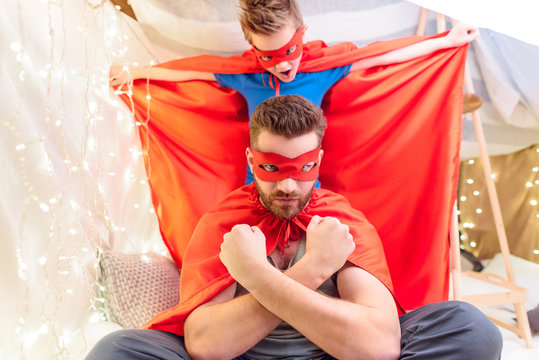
{"points": [[72, 175], [73, 179]]}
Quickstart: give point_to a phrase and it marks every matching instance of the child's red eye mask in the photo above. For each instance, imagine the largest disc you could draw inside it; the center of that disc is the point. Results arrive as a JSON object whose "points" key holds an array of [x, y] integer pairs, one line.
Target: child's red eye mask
{"points": [[275, 167], [290, 51]]}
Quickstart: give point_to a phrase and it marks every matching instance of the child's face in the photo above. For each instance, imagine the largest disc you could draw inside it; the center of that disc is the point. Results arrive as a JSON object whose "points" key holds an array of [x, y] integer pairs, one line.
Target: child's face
{"points": [[285, 70]]}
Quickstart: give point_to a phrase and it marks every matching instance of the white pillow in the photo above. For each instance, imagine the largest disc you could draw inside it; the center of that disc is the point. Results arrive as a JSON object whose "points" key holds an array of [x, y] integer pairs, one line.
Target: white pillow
{"points": [[526, 275]]}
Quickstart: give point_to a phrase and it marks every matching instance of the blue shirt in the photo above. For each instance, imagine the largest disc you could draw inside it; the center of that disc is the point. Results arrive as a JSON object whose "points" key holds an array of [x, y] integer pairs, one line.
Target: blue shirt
{"points": [[255, 87]]}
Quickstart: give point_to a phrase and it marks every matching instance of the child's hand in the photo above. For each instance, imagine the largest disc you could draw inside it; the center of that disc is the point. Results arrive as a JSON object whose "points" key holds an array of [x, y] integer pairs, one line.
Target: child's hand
{"points": [[461, 34], [118, 76]]}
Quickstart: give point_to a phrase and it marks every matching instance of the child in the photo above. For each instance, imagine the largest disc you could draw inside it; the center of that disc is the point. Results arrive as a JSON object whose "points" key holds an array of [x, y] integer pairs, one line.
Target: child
{"points": [[275, 30]]}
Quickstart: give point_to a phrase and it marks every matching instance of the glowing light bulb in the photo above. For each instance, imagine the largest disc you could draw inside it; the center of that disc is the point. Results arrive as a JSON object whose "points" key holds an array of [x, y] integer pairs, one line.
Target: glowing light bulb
{"points": [[463, 198], [476, 193], [479, 211], [73, 204], [15, 46], [469, 181], [471, 161]]}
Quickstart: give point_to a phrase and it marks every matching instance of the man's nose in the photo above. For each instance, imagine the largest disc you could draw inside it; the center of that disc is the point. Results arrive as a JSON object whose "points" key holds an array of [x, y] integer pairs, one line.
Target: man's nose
{"points": [[287, 185]]}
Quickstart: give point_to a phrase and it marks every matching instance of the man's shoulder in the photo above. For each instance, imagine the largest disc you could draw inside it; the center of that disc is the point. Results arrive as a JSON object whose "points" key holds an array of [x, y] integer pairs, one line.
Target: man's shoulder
{"points": [[328, 194], [329, 203], [243, 197]]}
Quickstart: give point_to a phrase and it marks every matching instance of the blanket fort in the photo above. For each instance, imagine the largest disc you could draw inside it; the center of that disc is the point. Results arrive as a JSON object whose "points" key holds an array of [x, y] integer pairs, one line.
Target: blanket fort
{"points": [[391, 148]]}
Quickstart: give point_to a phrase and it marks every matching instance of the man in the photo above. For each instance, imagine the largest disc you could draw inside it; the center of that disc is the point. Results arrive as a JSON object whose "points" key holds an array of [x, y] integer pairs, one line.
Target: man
{"points": [[282, 270]]}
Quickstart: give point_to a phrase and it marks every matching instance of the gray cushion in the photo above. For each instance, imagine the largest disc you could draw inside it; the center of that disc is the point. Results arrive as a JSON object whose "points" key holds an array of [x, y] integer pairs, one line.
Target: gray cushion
{"points": [[136, 287]]}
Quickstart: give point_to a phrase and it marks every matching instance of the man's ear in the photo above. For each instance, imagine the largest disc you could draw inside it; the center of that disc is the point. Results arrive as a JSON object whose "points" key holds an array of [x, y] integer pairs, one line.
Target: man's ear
{"points": [[320, 155], [250, 158]]}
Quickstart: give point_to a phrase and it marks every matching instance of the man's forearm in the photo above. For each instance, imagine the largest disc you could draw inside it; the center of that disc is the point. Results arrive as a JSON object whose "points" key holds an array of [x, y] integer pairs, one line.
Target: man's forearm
{"points": [[344, 329], [228, 329]]}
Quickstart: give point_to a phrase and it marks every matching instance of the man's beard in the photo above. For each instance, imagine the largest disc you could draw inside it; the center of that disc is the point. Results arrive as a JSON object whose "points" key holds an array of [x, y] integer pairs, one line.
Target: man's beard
{"points": [[284, 211]]}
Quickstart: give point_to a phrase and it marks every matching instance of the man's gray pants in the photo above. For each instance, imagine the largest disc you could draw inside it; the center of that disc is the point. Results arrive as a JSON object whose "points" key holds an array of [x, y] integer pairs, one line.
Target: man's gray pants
{"points": [[451, 330]]}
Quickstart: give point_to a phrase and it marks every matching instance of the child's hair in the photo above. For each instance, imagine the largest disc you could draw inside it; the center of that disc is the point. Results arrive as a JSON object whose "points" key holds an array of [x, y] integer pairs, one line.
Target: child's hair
{"points": [[268, 16], [289, 116]]}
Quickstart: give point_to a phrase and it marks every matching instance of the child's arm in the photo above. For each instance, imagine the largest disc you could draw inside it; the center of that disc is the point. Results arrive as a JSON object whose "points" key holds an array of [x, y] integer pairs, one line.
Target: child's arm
{"points": [[460, 35], [119, 76]]}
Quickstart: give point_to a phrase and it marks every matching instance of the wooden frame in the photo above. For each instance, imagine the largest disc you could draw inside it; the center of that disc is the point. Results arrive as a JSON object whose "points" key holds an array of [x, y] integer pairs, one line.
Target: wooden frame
{"points": [[515, 295]]}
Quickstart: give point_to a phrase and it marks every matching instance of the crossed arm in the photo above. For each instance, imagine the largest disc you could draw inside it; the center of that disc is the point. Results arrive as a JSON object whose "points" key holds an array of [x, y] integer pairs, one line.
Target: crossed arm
{"points": [[362, 323]]}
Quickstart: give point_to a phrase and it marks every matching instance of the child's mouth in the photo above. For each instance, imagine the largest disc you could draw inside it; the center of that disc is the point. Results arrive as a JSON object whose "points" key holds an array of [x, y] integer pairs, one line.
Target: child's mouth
{"points": [[286, 73]]}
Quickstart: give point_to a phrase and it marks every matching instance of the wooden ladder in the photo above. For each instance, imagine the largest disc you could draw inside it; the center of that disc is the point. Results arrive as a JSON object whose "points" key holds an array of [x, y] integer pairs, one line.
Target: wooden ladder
{"points": [[515, 295]]}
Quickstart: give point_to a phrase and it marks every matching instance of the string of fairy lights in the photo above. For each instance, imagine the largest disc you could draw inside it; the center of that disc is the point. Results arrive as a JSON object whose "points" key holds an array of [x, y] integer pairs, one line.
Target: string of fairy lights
{"points": [[65, 219], [66, 174], [471, 193]]}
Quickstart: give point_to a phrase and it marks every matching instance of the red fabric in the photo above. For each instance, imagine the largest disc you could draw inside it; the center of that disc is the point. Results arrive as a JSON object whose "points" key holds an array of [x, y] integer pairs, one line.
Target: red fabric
{"points": [[203, 274], [279, 55], [391, 147], [284, 167]]}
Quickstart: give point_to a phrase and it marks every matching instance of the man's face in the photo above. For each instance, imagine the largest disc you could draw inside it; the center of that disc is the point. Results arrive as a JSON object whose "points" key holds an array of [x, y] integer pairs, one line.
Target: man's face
{"points": [[286, 70], [287, 197]]}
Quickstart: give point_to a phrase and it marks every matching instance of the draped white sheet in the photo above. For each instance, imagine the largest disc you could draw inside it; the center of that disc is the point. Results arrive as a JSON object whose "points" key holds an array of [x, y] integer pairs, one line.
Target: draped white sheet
{"points": [[73, 179], [72, 175]]}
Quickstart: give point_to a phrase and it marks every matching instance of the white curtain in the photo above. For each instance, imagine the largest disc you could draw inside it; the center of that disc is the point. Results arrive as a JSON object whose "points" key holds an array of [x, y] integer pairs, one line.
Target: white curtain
{"points": [[73, 179]]}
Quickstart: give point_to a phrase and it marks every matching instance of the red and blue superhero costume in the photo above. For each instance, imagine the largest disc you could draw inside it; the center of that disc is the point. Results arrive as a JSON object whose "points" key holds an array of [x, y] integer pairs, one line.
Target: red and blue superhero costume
{"points": [[391, 148]]}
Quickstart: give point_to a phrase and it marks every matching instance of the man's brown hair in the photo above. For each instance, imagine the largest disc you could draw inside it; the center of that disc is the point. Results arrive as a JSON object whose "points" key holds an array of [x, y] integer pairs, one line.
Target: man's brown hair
{"points": [[268, 16], [289, 116]]}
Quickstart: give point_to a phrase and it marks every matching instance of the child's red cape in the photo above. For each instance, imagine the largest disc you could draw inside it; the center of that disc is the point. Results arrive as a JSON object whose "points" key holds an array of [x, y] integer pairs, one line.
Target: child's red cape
{"points": [[204, 275], [391, 148]]}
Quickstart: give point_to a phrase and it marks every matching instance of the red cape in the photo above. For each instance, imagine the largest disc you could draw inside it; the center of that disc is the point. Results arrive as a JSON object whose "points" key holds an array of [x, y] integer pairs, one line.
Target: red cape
{"points": [[391, 147], [204, 275]]}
